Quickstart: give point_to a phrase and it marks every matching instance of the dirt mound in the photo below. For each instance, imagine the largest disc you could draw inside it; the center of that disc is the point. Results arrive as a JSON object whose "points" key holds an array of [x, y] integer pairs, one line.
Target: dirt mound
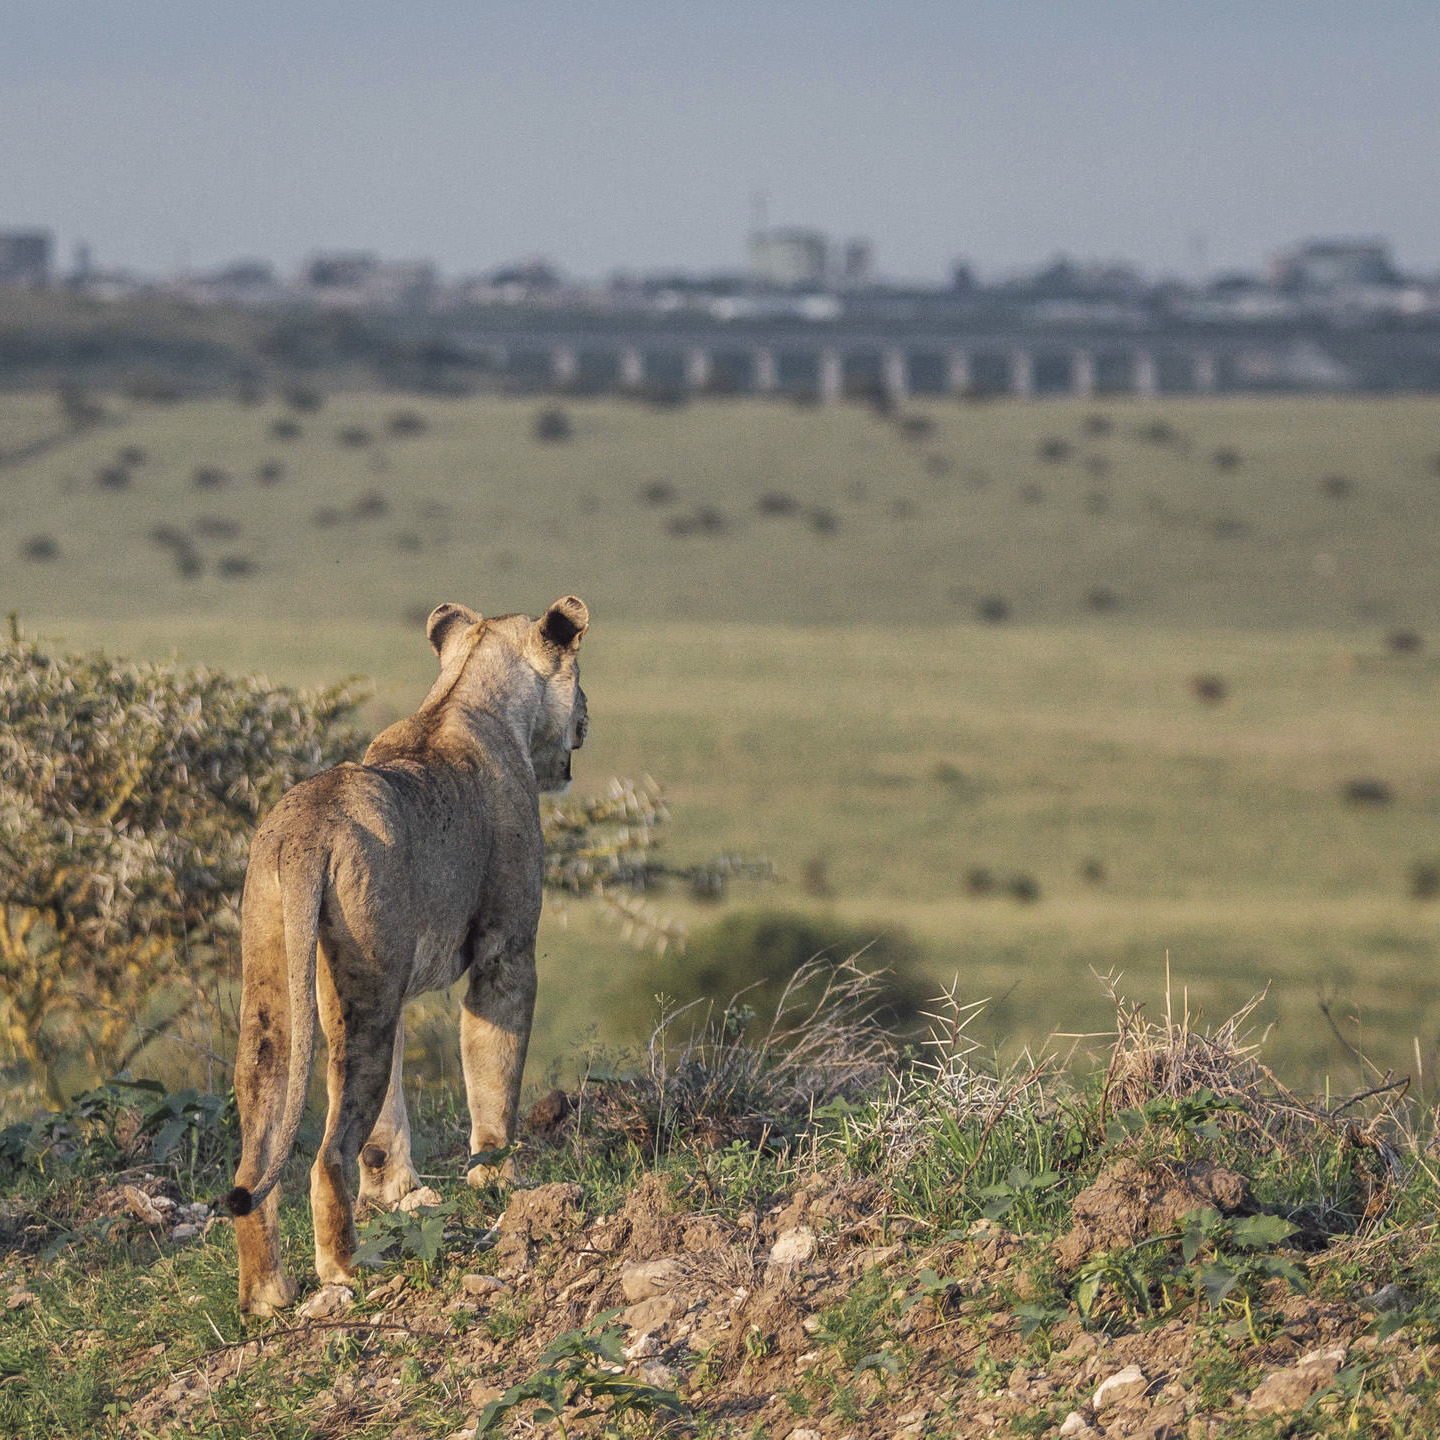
{"points": [[1130, 1201]]}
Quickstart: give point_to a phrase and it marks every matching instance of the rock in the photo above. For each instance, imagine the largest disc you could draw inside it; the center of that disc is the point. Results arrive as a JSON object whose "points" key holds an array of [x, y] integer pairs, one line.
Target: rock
{"points": [[793, 1246], [547, 1210], [1288, 1389], [1387, 1299], [640, 1279], [1074, 1424], [1124, 1384], [804, 1432], [184, 1232], [651, 1314], [387, 1289], [327, 1300], [652, 1372], [482, 1285], [423, 1198], [142, 1207]]}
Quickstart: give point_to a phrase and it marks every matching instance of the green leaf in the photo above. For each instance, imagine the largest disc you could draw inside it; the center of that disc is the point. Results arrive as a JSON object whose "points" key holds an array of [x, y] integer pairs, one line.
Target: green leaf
{"points": [[1259, 1232], [1217, 1281], [1199, 1226], [1087, 1291], [880, 1360], [171, 1134]]}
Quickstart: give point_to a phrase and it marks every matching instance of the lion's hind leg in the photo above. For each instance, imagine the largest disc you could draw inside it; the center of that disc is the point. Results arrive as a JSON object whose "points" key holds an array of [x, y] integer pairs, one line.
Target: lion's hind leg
{"points": [[387, 1173], [356, 1078]]}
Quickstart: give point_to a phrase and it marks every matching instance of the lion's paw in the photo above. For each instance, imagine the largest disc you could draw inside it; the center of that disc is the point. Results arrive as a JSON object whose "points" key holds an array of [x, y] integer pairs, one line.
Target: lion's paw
{"points": [[482, 1177]]}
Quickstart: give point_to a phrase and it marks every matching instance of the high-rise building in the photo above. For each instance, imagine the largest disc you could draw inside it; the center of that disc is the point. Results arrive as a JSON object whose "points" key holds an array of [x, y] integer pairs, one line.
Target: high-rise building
{"points": [[25, 258], [792, 259]]}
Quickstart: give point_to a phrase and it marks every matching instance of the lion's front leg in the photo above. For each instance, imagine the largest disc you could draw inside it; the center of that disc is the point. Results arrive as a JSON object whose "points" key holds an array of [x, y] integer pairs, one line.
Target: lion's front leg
{"points": [[494, 1033], [387, 1173]]}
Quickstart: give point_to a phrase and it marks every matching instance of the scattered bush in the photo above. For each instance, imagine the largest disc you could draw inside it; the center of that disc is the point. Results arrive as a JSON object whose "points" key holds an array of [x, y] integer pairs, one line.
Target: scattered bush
{"points": [[209, 477], [1425, 880], [305, 398], [354, 436], [1226, 458], [1032, 494], [1023, 888], [657, 492], [408, 542], [978, 880], [993, 609], [370, 506], [776, 503], [1367, 790], [902, 508], [234, 567], [821, 520], [1053, 449], [1228, 527], [78, 407], [1092, 871], [552, 425], [1209, 689], [40, 549], [285, 429], [938, 465], [1337, 487], [1404, 642], [1102, 600], [326, 517], [270, 472], [754, 957], [1158, 432], [703, 520], [250, 391], [916, 427], [132, 455], [183, 553], [1098, 425], [407, 422], [113, 477]]}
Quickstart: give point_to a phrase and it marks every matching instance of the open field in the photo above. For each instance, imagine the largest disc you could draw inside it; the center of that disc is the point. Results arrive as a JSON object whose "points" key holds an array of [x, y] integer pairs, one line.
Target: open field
{"points": [[821, 691]]}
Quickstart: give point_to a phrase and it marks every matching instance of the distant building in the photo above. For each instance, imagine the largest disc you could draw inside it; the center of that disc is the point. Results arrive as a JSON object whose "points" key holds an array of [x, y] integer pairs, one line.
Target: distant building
{"points": [[344, 270], [25, 258], [791, 259], [1333, 265], [857, 267]]}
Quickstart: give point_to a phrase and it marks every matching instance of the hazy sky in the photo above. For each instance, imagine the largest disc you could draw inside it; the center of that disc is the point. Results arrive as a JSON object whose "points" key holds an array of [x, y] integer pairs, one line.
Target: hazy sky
{"points": [[633, 133]]}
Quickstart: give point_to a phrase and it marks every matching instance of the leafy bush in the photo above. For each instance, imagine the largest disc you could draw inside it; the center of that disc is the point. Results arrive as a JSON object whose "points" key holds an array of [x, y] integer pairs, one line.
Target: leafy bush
{"points": [[128, 794], [753, 956]]}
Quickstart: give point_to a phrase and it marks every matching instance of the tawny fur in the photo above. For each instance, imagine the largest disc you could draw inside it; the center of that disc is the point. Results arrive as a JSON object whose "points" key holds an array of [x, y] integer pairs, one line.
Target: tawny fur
{"points": [[371, 883]]}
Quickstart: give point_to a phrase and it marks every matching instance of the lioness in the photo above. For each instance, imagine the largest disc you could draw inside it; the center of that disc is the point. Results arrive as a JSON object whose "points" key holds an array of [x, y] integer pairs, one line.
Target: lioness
{"points": [[405, 871]]}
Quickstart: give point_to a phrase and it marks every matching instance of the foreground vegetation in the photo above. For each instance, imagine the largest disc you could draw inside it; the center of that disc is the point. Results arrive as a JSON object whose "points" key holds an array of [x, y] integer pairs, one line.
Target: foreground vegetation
{"points": [[732, 1234]]}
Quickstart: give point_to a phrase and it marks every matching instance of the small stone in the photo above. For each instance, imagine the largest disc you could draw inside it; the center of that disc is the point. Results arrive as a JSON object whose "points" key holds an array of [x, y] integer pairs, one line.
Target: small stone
{"points": [[652, 1372], [1122, 1385], [327, 1300], [462, 1307], [640, 1279], [423, 1198], [793, 1246], [1289, 1389], [142, 1207], [1387, 1299], [804, 1432], [184, 1232], [647, 1315], [1073, 1424], [643, 1348], [482, 1285]]}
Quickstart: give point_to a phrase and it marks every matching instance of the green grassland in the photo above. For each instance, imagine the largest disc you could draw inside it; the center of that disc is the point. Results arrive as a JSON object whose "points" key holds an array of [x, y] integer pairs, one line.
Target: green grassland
{"points": [[817, 687]]}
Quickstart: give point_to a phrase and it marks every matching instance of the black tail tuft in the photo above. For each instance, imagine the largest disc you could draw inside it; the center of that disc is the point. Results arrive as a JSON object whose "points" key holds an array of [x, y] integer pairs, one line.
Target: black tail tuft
{"points": [[238, 1201]]}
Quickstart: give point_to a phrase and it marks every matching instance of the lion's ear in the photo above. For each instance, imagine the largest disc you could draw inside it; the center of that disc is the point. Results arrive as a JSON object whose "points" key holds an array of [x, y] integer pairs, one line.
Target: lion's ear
{"points": [[443, 622], [562, 625]]}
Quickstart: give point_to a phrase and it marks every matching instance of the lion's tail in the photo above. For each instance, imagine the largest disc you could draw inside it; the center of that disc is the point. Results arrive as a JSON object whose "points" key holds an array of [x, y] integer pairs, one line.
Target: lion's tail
{"points": [[267, 1137]]}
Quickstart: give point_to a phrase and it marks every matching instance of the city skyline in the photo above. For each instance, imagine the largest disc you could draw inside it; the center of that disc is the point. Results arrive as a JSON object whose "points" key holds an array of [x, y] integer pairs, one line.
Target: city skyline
{"points": [[637, 138]]}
